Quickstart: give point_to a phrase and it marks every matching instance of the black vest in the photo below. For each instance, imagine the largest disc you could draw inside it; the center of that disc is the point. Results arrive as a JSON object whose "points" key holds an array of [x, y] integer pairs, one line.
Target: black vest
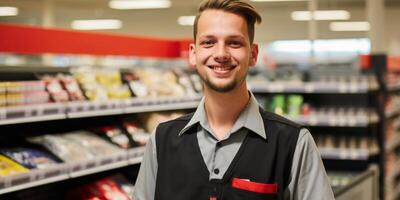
{"points": [[183, 175]]}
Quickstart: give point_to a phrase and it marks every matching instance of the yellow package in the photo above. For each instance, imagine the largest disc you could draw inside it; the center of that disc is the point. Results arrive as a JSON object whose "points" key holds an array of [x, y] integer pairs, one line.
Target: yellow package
{"points": [[16, 86], [3, 100], [9, 167], [15, 99], [3, 86]]}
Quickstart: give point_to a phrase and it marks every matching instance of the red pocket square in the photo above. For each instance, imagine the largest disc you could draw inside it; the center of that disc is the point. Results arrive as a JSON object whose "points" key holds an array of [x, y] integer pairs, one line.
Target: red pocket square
{"points": [[255, 187]]}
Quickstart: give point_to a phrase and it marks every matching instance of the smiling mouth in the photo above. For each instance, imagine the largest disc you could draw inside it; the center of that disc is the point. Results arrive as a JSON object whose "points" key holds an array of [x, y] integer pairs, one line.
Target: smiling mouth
{"points": [[221, 68]]}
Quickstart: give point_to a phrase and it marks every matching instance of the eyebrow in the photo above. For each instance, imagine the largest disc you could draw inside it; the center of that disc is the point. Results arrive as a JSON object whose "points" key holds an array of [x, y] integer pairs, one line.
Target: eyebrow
{"points": [[229, 37]]}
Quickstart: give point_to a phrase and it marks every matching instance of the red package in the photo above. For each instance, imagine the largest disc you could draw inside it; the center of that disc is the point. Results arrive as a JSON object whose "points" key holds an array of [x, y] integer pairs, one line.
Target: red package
{"points": [[104, 189]]}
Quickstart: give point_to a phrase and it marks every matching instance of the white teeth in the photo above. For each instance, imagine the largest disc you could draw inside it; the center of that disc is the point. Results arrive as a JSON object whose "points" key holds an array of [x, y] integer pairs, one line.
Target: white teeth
{"points": [[222, 68]]}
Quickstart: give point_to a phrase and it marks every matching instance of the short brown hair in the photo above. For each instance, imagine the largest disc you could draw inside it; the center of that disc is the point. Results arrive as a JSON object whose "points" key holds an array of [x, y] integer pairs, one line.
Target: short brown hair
{"points": [[239, 7]]}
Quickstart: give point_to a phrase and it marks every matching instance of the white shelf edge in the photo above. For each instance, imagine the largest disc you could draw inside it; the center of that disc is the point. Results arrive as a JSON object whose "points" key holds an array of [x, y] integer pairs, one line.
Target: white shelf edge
{"points": [[137, 160], [32, 119], [74, 174], [344, 155], [95, 113], [162, 107], [306, 88], [34, 183], [100, 168]]}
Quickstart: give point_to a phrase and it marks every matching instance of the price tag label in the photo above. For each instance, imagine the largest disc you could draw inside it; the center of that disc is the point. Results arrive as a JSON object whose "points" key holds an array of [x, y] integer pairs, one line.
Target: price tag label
{"points": [[343, 88], [354, 88], [29, 111], [309, 88], [40, 110], [313, 120], [333, 120], [351, 121], [277, 87], [3, 113]]}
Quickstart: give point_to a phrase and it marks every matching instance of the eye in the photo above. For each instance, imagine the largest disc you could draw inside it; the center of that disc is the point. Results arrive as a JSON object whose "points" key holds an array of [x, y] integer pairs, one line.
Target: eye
{"points": [[235, 44], [207, 43]]}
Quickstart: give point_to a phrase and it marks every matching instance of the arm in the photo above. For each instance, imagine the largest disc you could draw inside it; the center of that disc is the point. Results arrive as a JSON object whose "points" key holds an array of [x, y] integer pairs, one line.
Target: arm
{"points": [[146, 180], [308, 177]]}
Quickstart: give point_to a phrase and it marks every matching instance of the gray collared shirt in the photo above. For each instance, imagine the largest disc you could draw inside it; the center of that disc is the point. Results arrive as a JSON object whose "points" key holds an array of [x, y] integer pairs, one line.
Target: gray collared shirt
{"points": [[308, 180]]}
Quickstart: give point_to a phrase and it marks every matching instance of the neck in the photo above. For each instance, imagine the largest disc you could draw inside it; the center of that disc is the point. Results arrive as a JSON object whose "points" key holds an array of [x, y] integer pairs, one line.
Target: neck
{"points": [[223, 109]]}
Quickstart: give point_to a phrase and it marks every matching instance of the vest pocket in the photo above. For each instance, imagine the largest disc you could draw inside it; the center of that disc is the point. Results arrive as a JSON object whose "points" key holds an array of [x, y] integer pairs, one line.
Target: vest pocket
{"points": [[246, 195], [253, 190]]}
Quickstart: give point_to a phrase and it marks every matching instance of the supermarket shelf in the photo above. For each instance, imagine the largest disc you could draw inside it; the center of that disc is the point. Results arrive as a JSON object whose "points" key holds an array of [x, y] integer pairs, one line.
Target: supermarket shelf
{"points": [[69, 170], [312, 87], [32, 113], [338, 154], [22, 114], [336, 120], [33, 69], [55, 111], [92, 109], [32, 119]]}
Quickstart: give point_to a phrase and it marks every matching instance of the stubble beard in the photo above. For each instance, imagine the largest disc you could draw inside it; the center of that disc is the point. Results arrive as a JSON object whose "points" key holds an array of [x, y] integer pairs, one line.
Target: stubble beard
{"points": [[222, 89]]}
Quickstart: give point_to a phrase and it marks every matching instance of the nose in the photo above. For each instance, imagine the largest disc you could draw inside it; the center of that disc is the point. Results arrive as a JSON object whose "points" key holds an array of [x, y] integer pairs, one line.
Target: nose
{"points": [[221, 53]]}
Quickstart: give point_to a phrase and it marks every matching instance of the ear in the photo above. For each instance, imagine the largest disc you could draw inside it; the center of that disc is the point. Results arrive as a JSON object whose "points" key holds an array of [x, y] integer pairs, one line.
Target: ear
{"points": [[192, 54], [253, 55]]}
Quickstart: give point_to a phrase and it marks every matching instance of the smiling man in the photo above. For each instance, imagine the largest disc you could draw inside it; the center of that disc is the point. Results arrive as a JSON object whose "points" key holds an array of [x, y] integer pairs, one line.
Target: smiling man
{"points": [[230, 148]]}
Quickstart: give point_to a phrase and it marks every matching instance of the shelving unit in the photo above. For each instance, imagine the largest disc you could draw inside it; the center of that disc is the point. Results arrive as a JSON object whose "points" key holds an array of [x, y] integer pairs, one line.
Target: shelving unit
{"points": [[67, 170], [313, 87], [57, 111]]}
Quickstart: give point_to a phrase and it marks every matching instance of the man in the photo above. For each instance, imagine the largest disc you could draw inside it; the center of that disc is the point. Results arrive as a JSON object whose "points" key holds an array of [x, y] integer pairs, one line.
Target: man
{"points": [[229, 148]]}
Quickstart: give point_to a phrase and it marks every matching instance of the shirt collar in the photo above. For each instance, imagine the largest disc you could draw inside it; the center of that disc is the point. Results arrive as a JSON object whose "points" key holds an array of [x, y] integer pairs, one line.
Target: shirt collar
{"points": [[249, 118]]}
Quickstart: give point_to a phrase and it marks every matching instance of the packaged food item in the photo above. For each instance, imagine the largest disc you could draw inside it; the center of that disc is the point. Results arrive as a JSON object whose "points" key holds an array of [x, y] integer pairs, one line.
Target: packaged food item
{"points": [[72, 87], [33, 97], [25, 86], [15, 86], [15, 99], [138, 88], [63, 148], [114, 135], [102, 84], [119, 92], [53, 86], [3, 100], [197, 83], [278, 104], [30, 158], [184, 81], [137, 134], [9, 167], [124, 184], [295, 103], [104, 189], [3, 86], [92, 143]]}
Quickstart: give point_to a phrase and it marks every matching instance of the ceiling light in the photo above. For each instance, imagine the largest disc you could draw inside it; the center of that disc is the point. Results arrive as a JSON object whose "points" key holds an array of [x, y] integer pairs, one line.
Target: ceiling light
{"points": [[8, 11], [320, 15], [96, 24], [186, 20], [139, 4], [276, 0], [349, 26]]}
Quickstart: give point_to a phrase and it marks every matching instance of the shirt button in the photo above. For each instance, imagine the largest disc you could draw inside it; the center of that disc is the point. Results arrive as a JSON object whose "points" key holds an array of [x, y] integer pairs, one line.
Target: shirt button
{"points": [[216, 171], [219, 144]]}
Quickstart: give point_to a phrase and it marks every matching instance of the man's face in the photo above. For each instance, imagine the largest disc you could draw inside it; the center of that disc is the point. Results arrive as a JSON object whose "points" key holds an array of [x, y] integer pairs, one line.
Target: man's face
{"points": [[222, 52]]}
